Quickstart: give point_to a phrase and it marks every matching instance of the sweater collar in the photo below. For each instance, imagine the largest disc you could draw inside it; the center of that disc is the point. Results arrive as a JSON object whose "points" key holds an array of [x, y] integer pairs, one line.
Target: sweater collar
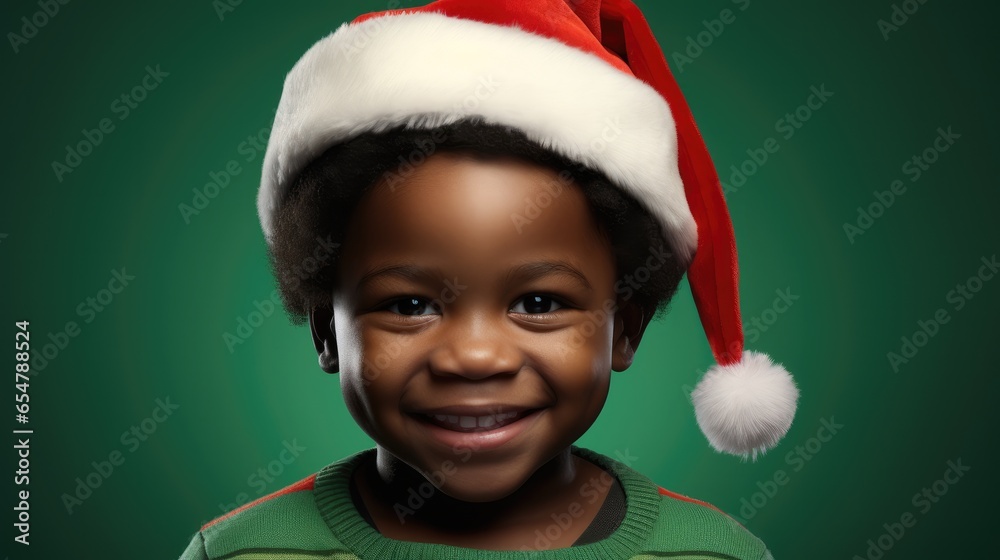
{"points": [[333, 498]]}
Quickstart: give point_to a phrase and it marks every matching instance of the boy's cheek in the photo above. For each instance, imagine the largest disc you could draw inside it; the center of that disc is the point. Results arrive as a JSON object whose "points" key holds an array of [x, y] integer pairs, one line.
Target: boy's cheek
{"points": [[581, 377], [357, 405], [373, 405], [576, 349], [365, 354]]}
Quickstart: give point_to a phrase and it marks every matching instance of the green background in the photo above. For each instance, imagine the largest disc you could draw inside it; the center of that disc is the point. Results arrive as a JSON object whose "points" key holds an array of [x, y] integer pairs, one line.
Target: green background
{"points": [[162, 336]]}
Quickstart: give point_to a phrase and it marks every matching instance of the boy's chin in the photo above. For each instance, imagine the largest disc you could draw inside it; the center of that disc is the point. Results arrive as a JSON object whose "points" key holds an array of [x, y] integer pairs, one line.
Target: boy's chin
{"points": [[480, 483], [473, 492], [476, 477]]}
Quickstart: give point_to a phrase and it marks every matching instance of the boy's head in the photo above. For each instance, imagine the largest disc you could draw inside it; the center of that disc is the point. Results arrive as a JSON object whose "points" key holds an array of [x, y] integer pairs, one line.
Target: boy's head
{"points": [[448, 311], [454, 115]]}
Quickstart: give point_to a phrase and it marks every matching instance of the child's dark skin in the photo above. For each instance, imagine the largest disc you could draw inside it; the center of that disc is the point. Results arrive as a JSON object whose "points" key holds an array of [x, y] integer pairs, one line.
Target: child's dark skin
{"points": [[504, 337]]}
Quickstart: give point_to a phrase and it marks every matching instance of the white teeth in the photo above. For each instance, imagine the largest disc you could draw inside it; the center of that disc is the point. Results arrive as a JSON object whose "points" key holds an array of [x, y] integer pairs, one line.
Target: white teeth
{"points": [[475, 421]]}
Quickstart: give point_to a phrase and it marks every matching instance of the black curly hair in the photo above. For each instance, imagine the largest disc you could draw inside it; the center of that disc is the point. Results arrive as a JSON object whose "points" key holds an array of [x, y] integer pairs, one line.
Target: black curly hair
{"points": [[314, 215]]}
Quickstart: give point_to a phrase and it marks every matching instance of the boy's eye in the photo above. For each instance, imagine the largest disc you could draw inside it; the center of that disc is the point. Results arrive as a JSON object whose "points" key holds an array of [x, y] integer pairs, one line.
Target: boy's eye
{"points": [[412, 306], [536, 304]]}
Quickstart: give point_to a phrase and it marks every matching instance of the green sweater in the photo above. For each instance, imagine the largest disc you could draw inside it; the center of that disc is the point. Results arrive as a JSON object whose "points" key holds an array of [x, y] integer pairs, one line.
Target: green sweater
{"points": [[315, 519]]}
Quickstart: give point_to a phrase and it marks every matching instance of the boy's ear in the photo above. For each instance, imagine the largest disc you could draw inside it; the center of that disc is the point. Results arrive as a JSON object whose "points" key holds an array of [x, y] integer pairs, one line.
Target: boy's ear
{"points": [[324, 339], [630, 322]]}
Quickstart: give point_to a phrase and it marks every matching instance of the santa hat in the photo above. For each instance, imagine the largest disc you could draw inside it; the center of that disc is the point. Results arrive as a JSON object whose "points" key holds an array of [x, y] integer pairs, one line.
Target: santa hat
{"points": [[583, 78]]}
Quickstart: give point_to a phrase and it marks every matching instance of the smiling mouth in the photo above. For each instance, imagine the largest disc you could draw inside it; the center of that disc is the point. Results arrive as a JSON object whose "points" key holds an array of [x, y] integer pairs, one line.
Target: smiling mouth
{"points": [[479, 423]]}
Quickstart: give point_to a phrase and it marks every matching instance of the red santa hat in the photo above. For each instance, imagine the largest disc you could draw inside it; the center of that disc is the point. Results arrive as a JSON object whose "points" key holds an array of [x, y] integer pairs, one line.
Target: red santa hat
{"points": [[584, 78]]}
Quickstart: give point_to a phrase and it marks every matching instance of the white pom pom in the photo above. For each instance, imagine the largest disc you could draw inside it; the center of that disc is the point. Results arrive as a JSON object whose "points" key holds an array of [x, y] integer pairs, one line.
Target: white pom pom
{"points": [[745, 408]]}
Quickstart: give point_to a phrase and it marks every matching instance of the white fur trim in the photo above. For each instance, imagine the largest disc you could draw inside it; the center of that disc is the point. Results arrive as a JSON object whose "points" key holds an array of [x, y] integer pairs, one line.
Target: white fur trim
{"points": [[425, 70], [745, 408]]}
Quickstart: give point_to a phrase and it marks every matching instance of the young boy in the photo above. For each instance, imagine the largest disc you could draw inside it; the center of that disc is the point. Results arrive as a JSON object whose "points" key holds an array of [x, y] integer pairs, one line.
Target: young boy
{"points": [[515, 190]]}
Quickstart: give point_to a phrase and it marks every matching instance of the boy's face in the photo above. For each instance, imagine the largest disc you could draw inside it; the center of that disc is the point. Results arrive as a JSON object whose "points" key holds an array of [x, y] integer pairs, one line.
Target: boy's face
{"points": [[470, 350]]}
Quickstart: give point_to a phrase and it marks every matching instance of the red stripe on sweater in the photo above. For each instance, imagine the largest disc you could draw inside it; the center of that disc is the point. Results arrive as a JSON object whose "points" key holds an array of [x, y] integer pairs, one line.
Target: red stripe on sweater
{"points": [[307, 483], [676, 496], [683, 498]]}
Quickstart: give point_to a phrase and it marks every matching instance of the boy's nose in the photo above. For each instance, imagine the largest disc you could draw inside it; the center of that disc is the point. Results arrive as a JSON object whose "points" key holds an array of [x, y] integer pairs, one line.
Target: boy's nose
{"points": [[475, 349]]}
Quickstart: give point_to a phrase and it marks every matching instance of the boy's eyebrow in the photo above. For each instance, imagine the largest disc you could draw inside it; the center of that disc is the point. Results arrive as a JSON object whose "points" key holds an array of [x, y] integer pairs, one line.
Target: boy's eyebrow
{"points": [[405, 271], [532, 270], [526, 271]]}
